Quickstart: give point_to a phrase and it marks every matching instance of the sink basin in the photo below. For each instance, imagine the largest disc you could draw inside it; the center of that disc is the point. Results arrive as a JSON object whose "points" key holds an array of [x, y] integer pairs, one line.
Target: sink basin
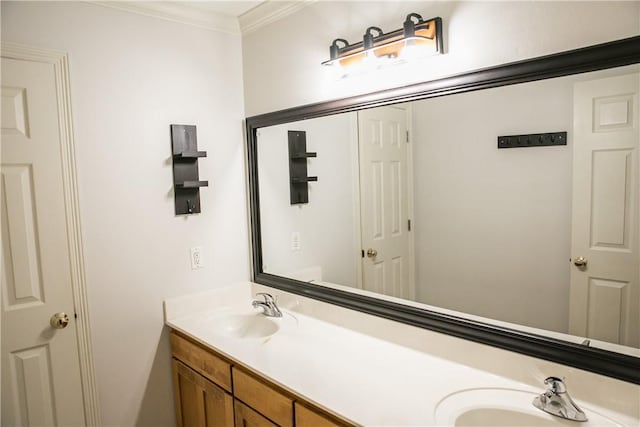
{"points": [[253, 325], [505, 407]]}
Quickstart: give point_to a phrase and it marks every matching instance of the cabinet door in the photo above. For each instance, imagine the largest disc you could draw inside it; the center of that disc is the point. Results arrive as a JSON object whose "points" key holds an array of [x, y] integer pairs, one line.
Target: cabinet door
{"points": [[247, 417], [307, 418], [199, 402]]}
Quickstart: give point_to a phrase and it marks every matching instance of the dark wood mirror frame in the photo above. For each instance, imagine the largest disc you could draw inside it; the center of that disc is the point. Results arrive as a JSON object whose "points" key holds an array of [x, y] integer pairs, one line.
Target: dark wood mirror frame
{"points": [[593, 58]]}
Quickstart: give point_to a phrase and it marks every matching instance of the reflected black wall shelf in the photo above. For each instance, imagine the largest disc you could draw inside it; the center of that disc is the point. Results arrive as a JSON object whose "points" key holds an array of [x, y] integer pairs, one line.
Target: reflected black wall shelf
{"points": [[192, 184], [193, 155], [298, 175], [303, 155], [184, 147], [305, 179], [533, 140]]}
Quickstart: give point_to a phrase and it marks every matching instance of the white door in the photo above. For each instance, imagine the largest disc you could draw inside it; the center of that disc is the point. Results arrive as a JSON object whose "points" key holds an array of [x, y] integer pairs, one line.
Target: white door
{"points": [[384, 196], [41, 382], [605, 230]]}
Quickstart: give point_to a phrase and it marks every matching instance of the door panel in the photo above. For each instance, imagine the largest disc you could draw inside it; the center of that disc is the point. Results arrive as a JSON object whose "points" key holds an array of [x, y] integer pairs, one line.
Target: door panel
{"points": [[611, 199], [395, 193], [377, 200], [21, 263], [607, 309], [31, 377]]}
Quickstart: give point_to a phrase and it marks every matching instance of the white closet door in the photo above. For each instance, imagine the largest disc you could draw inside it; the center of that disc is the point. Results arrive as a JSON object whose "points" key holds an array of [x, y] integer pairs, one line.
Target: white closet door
{"points": [[40, 365], [604, 293]]}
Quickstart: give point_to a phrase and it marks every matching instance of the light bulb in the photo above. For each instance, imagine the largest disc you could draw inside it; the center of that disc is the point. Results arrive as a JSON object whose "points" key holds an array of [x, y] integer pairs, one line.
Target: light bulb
{"points": [[411, 52], [369, 63], [337, 71]]}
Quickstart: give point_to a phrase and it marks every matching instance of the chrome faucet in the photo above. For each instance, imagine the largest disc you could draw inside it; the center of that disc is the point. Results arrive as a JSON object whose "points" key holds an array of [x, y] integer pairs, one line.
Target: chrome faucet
{"points": [[269, 307], [557, 401]]}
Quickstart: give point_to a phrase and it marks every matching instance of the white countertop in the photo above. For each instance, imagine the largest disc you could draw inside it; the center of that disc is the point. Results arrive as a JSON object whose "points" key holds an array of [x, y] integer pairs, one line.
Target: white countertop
{"points": [[366, 380]]}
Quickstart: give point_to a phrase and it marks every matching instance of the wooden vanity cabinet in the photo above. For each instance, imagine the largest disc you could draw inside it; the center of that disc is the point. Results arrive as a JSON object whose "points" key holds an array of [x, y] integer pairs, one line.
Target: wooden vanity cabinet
{"points": [[263, 398], [212, 391], [199, 402], [201, 360], [306, 417], [247, 417]]}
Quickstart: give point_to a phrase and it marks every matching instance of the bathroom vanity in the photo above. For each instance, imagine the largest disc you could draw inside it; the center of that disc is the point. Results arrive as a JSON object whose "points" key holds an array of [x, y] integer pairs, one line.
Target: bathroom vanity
{"points": [[321, 365]]}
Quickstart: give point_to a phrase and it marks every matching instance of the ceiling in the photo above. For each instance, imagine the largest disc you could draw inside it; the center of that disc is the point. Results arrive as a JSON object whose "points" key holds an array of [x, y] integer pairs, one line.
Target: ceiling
{"points": [[227, 7], [230, 16]]}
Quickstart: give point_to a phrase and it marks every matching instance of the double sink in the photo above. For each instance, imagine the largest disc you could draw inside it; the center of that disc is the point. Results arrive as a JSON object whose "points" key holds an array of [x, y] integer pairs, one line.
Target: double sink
{"points": [[244, 325]]}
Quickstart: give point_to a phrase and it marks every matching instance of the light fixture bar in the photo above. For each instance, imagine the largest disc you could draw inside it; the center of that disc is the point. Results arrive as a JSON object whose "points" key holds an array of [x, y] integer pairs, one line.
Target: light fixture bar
{"points": [[416, 32], [390, 46]]}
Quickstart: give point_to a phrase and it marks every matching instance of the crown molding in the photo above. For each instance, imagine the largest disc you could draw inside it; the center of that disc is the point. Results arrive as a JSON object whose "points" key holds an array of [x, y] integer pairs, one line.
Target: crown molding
{"points": [[177, 11], [268, 12]]}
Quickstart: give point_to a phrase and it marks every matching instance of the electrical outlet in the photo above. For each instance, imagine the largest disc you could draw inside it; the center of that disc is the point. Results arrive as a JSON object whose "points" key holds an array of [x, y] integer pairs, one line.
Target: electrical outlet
{"points": [[295, 241], [196, 258]]}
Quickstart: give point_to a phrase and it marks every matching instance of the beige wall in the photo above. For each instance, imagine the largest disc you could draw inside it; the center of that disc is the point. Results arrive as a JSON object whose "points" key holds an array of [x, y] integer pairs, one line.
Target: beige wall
{"points": [[131, 77], [493, 227], [282, 60]]}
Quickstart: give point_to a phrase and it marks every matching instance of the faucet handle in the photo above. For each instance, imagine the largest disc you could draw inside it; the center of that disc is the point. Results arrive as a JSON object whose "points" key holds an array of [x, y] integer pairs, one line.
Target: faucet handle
{"points": [[268, 298], [556, 385]]}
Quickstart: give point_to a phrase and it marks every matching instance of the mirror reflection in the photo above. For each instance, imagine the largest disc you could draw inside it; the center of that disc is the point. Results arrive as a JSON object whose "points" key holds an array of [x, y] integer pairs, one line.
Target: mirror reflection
{"points": [[417, 201]]}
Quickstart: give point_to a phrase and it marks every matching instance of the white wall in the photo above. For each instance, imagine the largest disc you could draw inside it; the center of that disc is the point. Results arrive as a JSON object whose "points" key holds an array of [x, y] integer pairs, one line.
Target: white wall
{"points": [[326, 223], [282, 60], [495, 225], [131, 77]]}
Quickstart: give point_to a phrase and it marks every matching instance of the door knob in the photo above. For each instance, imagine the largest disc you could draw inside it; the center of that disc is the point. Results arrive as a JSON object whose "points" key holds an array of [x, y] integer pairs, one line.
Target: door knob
{"points": [[59, 320], [372, 253], [580, 261]]}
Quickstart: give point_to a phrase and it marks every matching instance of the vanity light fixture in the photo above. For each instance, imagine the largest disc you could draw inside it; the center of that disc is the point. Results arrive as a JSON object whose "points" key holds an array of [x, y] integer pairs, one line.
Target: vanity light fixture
{"points": [[416, 39]]}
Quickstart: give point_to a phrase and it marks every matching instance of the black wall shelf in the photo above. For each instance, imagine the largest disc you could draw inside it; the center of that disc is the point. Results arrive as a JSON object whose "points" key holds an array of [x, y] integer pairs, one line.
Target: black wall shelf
{"points": [[298, 175], [186, 181]]}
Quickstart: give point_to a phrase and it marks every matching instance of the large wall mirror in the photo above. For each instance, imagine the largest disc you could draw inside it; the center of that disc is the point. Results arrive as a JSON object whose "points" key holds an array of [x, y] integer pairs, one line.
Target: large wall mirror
{"points": [[422, 214]]}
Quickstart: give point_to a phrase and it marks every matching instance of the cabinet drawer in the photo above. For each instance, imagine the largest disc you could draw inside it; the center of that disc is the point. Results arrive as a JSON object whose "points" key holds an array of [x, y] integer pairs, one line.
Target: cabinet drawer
{"points": [[247, 417], [263, 398], [305, 417], [199, 359]]}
